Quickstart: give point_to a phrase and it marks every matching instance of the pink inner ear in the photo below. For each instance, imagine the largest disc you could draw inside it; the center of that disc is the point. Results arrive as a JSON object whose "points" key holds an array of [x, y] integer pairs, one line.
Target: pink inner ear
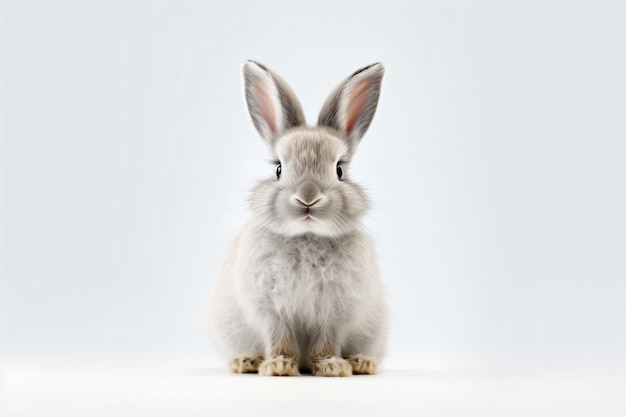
{"points": [[265, 104], [356, 103]]}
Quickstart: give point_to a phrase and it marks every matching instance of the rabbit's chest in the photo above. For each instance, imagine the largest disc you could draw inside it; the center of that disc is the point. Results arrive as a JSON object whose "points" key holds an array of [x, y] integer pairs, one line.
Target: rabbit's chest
{"points": [[308, 280]]}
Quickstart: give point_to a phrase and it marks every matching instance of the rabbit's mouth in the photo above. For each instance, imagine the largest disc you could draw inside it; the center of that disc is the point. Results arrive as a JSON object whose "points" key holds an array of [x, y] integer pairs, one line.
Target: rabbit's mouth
{"points": [[307, 215]]}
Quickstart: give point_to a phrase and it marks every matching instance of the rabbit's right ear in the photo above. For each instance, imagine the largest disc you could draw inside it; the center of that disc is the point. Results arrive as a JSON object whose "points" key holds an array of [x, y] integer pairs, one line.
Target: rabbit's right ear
{"points": [[272, 105]]}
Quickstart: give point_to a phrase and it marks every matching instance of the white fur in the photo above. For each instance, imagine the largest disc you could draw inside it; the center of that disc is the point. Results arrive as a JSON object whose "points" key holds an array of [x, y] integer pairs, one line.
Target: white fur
{"points": [[311, 285]]}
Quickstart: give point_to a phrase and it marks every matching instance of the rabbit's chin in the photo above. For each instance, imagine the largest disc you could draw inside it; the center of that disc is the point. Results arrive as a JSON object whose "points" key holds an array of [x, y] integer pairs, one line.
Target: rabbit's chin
{"points": [[319, 227]]}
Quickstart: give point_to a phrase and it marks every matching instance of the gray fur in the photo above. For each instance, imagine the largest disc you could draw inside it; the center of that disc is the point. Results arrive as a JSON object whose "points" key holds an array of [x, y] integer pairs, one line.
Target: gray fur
{"points": [[305, 283]]}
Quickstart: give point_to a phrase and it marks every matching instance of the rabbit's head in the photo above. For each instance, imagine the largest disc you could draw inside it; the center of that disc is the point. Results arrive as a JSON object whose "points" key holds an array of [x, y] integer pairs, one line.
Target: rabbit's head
{"points": [[309, 190]]}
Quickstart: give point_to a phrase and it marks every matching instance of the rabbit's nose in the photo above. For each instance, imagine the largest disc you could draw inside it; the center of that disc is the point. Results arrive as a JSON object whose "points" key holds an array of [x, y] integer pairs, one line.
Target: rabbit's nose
{"points": [[308, 194], [307, 205]]}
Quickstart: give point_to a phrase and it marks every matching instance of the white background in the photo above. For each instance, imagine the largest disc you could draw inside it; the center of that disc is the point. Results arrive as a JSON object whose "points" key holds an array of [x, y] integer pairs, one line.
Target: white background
{"points": [[496, 163]]}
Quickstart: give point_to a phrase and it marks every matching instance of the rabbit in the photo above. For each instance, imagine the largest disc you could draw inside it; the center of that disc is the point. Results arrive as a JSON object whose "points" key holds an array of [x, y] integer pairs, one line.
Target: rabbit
{"points": [[300, 289]]}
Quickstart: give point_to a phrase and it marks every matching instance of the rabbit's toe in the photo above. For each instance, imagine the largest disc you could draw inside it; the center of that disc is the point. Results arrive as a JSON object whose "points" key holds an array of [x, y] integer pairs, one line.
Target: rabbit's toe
{"points": [[331, 366], [279, 366], [362, 364], [245, 364]]}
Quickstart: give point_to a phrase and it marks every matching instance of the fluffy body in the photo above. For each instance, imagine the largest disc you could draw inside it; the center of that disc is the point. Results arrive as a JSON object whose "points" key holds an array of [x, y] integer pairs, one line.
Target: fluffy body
{"points": [[300, 288], [305, 288]]}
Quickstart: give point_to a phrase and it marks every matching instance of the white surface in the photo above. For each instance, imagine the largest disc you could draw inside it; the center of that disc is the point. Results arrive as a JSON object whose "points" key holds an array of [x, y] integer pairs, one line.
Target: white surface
{"points": [[202, 391], [496, 165]]}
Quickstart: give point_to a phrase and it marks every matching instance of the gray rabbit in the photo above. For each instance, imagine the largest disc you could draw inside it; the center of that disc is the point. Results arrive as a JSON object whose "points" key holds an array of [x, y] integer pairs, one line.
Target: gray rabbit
{"points": [[300, 288]]}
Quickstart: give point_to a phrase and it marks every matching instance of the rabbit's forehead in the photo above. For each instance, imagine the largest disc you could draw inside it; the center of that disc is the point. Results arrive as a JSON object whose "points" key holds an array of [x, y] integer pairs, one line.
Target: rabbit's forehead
{"points": [[307, 147]]}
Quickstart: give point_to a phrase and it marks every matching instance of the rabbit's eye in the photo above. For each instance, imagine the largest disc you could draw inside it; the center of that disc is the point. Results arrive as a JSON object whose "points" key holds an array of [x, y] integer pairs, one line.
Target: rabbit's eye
{"points": [[339, 172], [278, 171]]}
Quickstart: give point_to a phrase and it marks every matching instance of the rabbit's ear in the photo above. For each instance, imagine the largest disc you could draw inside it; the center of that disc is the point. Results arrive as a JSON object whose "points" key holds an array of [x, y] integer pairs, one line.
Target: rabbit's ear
{"points": [[271, 103], [351, 106]]}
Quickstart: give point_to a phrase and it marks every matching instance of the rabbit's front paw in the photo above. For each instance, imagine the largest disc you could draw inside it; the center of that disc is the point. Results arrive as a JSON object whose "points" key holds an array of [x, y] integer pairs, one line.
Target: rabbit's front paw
{"points": [[245, 364], [362, 364], [279, 366], [331, 366]]}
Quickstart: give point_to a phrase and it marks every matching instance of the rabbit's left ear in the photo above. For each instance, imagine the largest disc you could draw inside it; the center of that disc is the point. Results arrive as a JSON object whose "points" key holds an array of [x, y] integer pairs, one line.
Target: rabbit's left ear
{"points": [[351, 106], [272, 105]]}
